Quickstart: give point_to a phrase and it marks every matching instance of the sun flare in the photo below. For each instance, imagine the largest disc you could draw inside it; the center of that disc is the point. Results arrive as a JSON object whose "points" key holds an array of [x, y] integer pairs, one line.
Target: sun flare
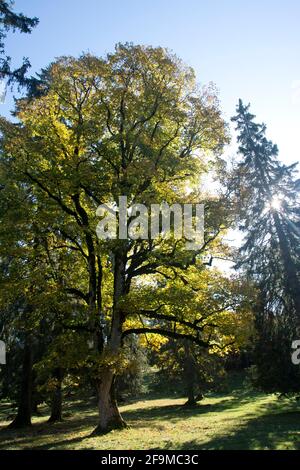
{"points": [[276, 203]]}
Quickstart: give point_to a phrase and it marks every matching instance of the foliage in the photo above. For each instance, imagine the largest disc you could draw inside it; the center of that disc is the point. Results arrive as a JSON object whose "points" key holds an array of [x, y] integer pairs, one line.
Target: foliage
{"points": [[11, 21]]}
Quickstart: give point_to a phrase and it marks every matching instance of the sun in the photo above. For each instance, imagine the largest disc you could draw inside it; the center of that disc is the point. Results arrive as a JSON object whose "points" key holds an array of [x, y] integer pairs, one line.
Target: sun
{"points": [[276, 203]]}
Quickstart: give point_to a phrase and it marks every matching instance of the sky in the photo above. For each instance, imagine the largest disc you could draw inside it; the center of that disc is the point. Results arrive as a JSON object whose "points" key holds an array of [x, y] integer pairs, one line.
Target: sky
{"points": [[250, 49]]}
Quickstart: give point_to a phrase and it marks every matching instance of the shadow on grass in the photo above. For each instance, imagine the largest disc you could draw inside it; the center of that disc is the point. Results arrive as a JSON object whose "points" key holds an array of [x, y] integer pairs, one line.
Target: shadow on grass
{"points": [[265, 427], [179, 411], [22, 437], [268, 432]]}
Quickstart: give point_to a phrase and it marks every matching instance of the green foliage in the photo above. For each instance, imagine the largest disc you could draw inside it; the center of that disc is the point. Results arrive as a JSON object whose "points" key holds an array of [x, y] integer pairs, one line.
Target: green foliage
{"points": [[130, 381], [188, 372]]}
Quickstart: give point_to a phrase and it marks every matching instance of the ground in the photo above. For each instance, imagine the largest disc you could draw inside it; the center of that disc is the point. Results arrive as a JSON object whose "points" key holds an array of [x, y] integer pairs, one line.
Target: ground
{"points": [[236, 420]]}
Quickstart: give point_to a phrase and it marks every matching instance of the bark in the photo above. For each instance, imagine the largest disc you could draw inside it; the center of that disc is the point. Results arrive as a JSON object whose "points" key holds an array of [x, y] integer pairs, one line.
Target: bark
{"points": [[189, 373], [109, 415], [56, 402], [24, 413]]}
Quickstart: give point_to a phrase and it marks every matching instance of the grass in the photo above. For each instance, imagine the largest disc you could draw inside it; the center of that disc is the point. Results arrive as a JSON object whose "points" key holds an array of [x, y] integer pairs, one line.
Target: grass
{"points": [[236, 420]]}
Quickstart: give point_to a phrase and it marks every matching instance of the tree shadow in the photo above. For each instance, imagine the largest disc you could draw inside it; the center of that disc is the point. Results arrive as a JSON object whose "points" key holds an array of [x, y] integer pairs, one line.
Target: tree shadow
{"points": [[42, 430], [260, 427], [53, 445], [180, 411], [164, 412], [267, 432]]}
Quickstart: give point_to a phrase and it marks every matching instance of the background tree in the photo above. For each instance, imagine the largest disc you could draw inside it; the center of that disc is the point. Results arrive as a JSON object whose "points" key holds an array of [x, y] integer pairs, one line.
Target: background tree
{"points": [[218, 306], [267, 195], [9, 20], [37, 306]]}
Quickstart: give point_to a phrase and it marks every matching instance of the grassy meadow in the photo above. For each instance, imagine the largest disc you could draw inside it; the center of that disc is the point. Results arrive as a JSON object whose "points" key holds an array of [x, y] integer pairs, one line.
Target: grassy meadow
{"points": [[235, 419]]}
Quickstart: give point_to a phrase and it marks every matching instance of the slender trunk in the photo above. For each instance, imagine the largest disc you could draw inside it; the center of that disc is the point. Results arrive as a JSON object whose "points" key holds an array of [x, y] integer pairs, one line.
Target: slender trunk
{"points": [[189, 373], [23, 417], [56, 402]]}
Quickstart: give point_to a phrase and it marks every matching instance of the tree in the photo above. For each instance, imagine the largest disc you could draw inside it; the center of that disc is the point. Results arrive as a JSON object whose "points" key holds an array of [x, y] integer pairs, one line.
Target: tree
{"points": [[269, 210], [267, 195], [188, 370], [218, 306], [133, 124], [9, 20], [34, 300], [273, 370]]}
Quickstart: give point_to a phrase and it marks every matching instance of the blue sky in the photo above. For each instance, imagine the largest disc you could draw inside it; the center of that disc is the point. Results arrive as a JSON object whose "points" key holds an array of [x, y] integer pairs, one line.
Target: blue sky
{"points": [[250, 49]]}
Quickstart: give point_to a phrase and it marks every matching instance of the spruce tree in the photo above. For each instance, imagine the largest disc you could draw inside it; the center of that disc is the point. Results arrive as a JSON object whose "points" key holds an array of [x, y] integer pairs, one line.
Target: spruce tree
{"points": [[11, 21], [267, 196], [269, 213]]}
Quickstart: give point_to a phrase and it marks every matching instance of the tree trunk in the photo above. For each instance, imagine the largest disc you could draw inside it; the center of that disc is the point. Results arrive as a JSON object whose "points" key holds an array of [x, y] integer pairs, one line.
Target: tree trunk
{"points": [[191, 397], [189, 373], [56, 402], [23, 417], [109, 415]]}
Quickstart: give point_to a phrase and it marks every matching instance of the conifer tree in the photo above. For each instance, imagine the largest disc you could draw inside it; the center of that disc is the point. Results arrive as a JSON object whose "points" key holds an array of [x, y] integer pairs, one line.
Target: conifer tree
{"points": [[268, 199], [11, 21], [266, 193]]}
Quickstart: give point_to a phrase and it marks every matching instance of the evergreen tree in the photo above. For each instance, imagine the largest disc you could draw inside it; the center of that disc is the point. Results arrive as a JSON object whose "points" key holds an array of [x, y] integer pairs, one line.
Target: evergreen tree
{"points": [[9, 20], [266, 193], [269, 210]]}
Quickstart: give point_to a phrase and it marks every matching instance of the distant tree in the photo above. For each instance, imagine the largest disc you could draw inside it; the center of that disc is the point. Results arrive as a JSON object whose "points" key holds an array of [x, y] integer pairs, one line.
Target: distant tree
{"points": [[11, 21], [130, 382], [220, 307], [187, 370], [36, 307]]}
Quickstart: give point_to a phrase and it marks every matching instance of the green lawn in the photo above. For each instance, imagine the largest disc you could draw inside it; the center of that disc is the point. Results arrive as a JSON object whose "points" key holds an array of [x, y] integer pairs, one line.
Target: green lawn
{"points": [[238, 420]]}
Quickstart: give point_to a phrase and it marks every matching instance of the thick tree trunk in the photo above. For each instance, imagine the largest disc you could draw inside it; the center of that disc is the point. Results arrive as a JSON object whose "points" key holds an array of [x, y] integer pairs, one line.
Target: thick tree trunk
{"points": [[109, 415], [23, 417], [56, 402], [191, 398]]}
